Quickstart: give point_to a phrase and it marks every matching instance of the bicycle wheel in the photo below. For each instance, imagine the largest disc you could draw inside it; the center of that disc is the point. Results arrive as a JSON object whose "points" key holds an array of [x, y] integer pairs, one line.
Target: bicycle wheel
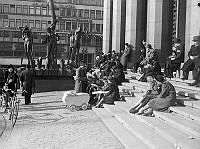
{"points": [[15, 110]]}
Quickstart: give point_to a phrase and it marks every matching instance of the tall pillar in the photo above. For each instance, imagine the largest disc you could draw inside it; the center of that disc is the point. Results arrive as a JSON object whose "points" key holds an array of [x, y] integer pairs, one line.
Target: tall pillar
{"points": [[181, 19], [107, 25], [118, 25], [136, 14], [159, 26], [192, 23]]}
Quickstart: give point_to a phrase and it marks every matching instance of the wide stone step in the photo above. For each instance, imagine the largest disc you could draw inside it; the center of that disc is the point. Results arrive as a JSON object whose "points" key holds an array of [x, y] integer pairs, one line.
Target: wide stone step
{"points": [[181, 123], [192, 126], [116, 127], [181, 87], [190, 99], [139, 129], [180, 139], [187, 112]]}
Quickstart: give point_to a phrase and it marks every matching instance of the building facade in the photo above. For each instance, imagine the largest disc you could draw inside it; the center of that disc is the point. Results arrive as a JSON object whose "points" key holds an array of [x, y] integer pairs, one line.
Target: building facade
{"points": [[36, 15], [158, 22]]}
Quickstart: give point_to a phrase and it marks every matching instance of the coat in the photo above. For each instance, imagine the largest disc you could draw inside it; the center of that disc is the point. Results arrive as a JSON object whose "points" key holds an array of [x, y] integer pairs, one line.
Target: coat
{"points": [[11, 81], [27, 80], [165, 99], [113, 93], [195, 51], [80, 80], [179, 54], [125, 55]]}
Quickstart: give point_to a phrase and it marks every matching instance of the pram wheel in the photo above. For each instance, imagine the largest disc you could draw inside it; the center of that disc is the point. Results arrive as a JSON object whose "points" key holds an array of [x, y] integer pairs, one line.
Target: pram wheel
{"points": [[72, 108], [84, 106]]}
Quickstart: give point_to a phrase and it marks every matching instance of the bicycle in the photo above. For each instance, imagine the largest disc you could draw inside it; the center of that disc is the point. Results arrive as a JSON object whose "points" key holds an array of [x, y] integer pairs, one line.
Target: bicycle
{"points": [[13, 104]]}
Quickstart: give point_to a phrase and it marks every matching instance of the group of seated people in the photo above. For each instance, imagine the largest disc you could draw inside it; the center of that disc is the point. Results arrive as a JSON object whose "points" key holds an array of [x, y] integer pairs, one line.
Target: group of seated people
{"points": [[149, 60], [106, 76]]}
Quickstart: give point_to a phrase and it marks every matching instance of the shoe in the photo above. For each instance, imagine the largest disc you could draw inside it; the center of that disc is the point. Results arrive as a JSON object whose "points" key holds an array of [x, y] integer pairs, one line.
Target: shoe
{"points": [[194, 83], [133, 111]]}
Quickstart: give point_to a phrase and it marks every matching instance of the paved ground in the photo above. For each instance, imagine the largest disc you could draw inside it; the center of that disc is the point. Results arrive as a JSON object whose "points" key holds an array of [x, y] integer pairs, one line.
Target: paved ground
{"points": [[46, 124]]}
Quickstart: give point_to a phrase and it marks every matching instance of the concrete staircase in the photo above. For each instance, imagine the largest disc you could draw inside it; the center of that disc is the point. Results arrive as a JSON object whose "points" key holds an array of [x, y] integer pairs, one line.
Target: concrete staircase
{"points": [[179, 129]]}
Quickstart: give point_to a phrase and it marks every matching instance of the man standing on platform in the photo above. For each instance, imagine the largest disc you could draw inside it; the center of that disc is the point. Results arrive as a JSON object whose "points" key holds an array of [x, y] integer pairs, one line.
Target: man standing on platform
{"points": [[81, 79], [27, 79]]}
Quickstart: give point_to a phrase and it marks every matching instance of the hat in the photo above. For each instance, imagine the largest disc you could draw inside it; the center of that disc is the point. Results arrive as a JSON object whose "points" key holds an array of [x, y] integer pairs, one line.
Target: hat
{"points": [[150, 73], [149, 46], [177, 40], [196, 38], [126, 44], [160, 78], [11, 66]]}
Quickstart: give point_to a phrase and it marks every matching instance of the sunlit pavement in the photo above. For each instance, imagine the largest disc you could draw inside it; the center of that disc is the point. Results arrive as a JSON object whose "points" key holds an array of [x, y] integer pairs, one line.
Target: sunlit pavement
{"points": [[46, 123]]}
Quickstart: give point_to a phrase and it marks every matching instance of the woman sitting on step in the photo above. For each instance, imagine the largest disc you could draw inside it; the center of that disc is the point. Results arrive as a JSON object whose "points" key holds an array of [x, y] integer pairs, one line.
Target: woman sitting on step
{"points": [[112, 95], [163, 101], [150, 94]]}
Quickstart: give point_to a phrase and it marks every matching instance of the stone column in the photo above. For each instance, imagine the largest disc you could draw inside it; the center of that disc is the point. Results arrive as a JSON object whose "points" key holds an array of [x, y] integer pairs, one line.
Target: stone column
{"points": [[118, 25], [192, 23], [136, 14], [159, 26], [107, 25]]}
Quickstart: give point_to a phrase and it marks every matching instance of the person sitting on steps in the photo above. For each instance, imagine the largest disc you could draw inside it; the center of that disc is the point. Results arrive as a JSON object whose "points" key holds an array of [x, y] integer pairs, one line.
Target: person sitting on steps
{"points": [[150, 94], [163, 101]]}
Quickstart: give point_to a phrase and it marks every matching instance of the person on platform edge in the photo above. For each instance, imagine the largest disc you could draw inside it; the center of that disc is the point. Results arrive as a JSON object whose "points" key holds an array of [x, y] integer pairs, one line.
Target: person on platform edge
{"points": [[27, 79]]}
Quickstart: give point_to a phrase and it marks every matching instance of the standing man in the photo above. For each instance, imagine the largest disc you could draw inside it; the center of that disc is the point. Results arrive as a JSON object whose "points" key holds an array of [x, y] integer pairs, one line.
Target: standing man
{"points": [[81, 79], [194, 55], [124, 57], [27, 79]]}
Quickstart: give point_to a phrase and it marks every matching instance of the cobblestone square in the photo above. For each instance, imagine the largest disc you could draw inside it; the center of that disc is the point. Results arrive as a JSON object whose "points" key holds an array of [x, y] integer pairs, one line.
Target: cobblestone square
{"points": [[47, 124]]}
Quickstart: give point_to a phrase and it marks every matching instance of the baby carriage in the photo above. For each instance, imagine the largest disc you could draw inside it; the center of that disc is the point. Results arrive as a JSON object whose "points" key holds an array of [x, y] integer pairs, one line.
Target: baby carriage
{"points": [[75, 101]]}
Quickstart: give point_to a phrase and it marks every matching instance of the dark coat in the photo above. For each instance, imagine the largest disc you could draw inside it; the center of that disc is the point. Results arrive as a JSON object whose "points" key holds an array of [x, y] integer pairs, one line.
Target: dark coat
{"points": [[11, 81], [125, 55], [113, 93], [80, 80], [190, 64], [27, 80], [179, 58], [195, 51], [165, 99]]}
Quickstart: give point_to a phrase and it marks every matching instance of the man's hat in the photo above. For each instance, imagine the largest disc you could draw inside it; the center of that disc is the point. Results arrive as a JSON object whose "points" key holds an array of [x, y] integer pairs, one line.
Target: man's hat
{"points": [[149, 46], [177, 40], [196, 38]]}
